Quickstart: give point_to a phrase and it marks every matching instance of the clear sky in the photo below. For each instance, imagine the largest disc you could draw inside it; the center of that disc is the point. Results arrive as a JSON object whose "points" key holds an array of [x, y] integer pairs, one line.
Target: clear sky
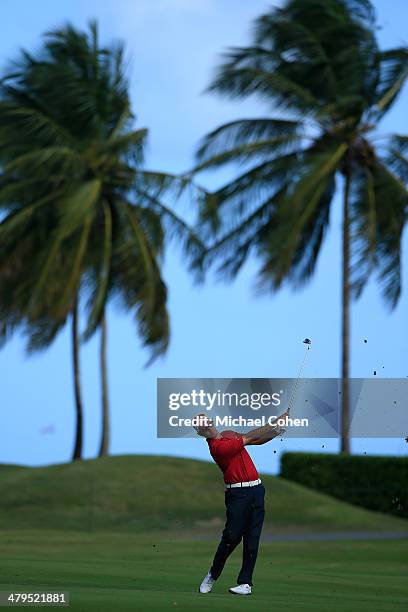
{"points": [[218, 330]]}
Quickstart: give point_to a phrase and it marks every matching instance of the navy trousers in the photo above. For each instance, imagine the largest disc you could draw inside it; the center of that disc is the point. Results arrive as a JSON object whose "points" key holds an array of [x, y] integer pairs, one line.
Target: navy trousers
{"points": [[245, 516]]}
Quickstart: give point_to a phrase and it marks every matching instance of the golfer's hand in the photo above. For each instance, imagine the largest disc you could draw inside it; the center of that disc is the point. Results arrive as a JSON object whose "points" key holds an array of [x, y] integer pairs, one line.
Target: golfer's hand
{"points": [[280, 429]]}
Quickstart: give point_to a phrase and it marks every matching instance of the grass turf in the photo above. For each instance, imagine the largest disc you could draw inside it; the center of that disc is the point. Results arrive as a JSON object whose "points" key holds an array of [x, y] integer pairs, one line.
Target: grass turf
{"points": [[139, 493], [118, 571]]}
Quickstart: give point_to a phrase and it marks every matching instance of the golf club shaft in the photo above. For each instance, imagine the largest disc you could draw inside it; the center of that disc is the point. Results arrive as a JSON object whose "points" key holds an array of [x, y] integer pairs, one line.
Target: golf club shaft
{"points": [[296, 384]]}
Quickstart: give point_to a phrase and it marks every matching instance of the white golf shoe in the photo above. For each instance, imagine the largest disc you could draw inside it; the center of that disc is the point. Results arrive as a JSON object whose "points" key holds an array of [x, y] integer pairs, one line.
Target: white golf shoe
{"points": [[241, 589], [207, 584]]}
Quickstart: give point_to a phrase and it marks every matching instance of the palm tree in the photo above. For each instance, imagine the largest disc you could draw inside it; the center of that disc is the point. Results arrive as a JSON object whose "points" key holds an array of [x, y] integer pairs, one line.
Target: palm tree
{"points": [[319, 64], [82, 216]]}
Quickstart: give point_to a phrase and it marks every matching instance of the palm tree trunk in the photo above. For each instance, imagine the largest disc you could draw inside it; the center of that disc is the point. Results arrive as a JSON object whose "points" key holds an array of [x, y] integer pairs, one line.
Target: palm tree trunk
{"points": [[77, 454], [345, 369], [104, 447]]}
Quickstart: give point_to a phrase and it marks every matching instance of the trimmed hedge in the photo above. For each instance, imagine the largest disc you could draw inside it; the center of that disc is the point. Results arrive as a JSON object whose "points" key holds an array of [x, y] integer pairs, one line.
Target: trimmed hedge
{"points": [[376, 483]]}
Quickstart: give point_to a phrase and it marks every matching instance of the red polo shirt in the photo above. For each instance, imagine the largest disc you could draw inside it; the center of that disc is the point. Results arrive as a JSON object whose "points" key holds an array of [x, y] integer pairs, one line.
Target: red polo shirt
{"points": [[233, 459]]}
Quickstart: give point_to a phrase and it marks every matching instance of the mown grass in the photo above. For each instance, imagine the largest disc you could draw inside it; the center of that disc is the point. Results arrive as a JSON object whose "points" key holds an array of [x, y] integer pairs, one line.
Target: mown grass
{"points": [[140, 493], [121, 571]]}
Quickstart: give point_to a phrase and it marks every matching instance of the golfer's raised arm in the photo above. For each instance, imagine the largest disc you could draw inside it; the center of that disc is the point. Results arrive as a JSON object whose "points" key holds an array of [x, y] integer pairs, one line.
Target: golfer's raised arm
{"points": [[264, 434]]}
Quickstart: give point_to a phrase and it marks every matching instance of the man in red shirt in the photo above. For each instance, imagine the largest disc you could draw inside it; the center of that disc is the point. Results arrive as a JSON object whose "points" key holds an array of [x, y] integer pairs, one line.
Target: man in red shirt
{"points": [[244, 499]]}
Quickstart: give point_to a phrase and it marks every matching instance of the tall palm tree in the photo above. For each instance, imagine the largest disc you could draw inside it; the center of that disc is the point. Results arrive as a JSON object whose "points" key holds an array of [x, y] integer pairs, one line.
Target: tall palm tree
{"points": [[84, 219], [318, 62]]}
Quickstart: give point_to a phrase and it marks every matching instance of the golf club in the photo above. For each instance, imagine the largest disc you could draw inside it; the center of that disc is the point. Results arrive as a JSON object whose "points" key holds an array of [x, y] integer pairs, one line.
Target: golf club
{"points": [[308, 344]]}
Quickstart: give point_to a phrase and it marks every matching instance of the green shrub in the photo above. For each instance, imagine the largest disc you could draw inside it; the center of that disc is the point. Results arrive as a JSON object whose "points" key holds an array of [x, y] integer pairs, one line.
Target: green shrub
{"points": [[376, 483]]}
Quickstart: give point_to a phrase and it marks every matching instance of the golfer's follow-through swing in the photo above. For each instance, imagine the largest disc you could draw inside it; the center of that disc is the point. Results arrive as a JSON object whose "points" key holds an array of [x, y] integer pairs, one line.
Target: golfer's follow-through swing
{"points": [[244, 494]]}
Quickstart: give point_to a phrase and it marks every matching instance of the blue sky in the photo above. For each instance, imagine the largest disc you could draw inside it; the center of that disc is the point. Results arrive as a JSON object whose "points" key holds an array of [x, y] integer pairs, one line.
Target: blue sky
{"points": [[218, 330]]}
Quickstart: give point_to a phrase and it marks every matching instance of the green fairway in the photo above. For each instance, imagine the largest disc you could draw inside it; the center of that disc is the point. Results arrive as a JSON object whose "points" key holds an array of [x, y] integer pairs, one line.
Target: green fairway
{"points": [[106, 572], [139, 493], [122, 533]]}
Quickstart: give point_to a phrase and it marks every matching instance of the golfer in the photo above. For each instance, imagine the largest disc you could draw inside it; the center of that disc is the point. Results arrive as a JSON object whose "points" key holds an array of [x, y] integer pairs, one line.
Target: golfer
{"points": [[244, 498]]}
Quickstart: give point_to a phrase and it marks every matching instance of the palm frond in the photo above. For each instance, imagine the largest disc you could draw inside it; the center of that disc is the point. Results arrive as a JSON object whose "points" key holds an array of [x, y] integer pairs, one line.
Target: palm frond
{"points": [[363, 228], [159, 183], [173, 227], [16, 221], [391, 220], [130, 143], [229, 205], [246, 153], [245, 132], [103, 276], [79, 202], [281, 230], [397, 157], [297, 266], [41, 163], [74, 209], [71, 288], [393, 74], [239, 82], [377, 229], [290, 250], [137, 281], [40, 333], [22, 117], [232, 249]]}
